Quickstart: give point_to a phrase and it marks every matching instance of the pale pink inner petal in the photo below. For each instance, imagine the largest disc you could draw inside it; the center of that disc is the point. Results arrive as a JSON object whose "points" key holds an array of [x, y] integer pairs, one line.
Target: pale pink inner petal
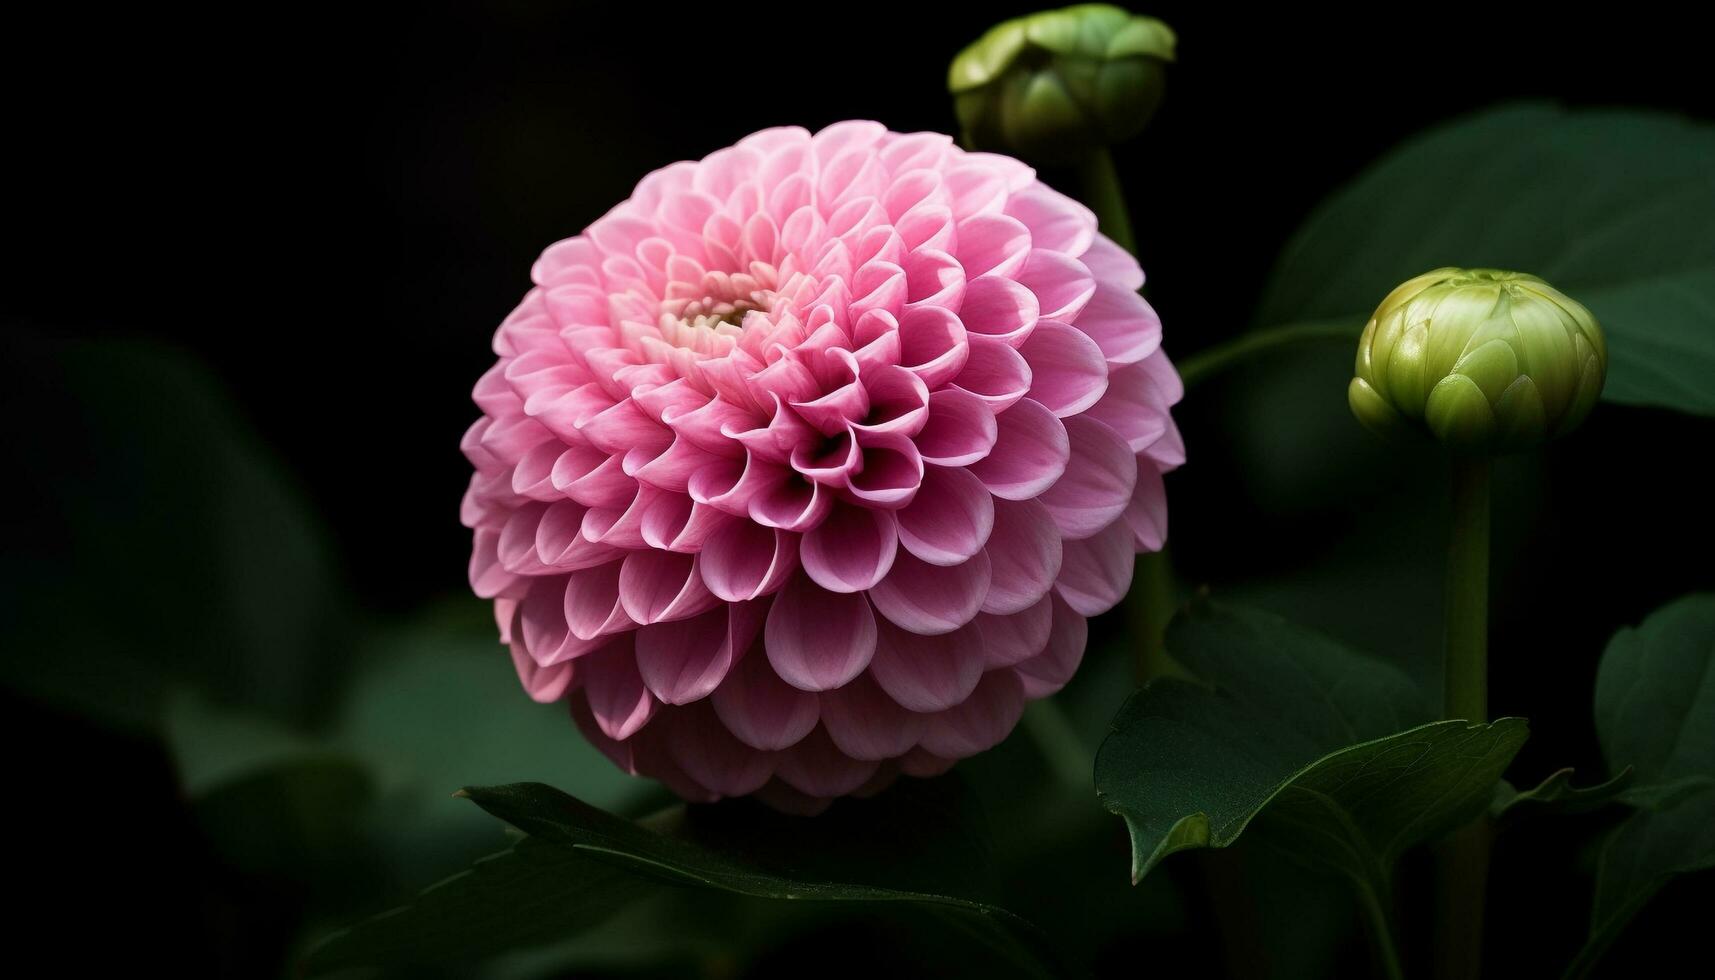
{"points": [[1062, 284], [995, 373], [999, 308]]}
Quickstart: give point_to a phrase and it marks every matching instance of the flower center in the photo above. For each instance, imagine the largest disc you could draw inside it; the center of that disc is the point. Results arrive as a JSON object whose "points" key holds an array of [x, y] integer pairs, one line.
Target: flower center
{"points": [[708, 317]]}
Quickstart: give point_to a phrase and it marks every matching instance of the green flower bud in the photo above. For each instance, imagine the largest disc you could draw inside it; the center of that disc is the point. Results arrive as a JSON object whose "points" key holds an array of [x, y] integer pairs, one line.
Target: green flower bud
{"points": [[1488, 361], [1055, 85]]}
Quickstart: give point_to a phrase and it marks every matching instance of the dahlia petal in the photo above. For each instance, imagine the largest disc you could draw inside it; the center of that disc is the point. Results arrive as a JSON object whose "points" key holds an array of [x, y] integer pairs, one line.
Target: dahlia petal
{"points": [[865, 723], [621, 754], [878, 286], [817, 767], [710, 754], [1097, 570], [1048, 671], [488, 578], [851, 550], [1168, 452], [999, 308], [791, 503], [1062, 284], [744, 560], [761, 710], [592, 602], [933, 278], [927, 226], [1146, 515], [662, 586], [898, 402], [545, 685], [1111, 264], [1132, 406], [976, 188], [994, 372], [818, 640], [979, 722], [1012, 639], [592, 478], [927, 673], [914, 189], [890, 471], [1025, 556], [617, 698], [832, 412], [685, 660], [1100, 476], [517, 546], [911, 151], [950, 519], [620, 527], [674, 522], [959, 430], [667, 469], [532, 476], [1121, 323], [830, 461], [1030, 453], [1055, 221], [1067, 371], [560, 543], [923, 764], [932, 344], [992, 244], [929, 599]]}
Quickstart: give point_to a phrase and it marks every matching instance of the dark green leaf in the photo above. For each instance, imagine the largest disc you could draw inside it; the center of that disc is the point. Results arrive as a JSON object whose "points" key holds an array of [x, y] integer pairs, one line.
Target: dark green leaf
{"points": [[1297, 726], [579, 863], [1655, 709], [1655, 694], [1612, 207], [143, 483], [1556, 794]]}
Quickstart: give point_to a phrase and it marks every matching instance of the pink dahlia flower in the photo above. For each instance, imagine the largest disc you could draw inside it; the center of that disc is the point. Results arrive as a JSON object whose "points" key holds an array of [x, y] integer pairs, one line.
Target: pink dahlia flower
{"points": [[803, 467]]}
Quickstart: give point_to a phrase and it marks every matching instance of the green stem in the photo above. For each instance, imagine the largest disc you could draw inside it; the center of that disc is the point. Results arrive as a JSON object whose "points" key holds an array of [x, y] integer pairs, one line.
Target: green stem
{"points": [[1381, 932], [1151, 602], [1465, 693], [1464, 858], [1206, 364], [1059, 744], [1102, 193]]}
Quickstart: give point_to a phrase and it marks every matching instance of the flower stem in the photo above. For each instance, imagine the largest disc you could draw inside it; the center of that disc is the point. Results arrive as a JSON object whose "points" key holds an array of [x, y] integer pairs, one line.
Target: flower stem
{"points": [[1151, 602], [1206, 364], [1102, 193], [1464, 857], [1059, 744], [1465, 693], [1381, 931]]}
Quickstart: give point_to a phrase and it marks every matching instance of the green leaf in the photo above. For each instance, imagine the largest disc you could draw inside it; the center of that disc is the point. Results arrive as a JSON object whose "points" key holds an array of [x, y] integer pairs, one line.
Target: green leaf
{"points": [[1655, 708], [579, 864], [1612, 207], [1299, 729], [147, 485], [1556, 794]]}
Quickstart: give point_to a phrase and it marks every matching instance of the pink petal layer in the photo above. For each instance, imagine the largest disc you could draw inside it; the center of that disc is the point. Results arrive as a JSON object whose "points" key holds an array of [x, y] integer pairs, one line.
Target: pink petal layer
{"points": [[819, 640]]}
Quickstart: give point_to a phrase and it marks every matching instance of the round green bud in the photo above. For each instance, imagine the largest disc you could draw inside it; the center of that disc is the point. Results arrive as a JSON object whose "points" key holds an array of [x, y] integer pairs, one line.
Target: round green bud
{"points": [[1056, 85], [1487, 361]]}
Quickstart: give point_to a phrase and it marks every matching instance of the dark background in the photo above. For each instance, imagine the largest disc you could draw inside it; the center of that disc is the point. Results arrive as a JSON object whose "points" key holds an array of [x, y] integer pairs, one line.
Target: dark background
{"points": [[334, 207]]}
